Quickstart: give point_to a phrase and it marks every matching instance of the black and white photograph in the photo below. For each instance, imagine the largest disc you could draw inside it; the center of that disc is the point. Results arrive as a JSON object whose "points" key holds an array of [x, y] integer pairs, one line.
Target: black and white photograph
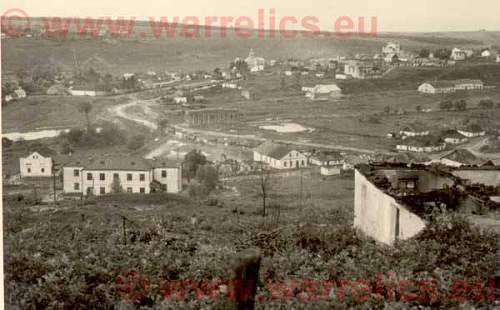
{"points": [[250, 155]]}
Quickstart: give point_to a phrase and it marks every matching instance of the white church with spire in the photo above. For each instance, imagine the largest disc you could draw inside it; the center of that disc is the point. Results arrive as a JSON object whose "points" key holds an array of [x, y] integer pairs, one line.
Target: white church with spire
{"points": [[255, 64]]}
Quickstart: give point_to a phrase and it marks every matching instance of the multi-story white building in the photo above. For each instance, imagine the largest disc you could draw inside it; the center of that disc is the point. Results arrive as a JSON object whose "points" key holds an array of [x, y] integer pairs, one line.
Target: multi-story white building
{"points": [[35, 165], [100, 176]]}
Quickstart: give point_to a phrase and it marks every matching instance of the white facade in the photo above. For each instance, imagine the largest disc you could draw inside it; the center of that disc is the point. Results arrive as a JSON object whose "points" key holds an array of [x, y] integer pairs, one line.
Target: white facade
{"points": [[35, 165], [420, 149], [379, 216], [486, 53], [294, 159], [180, 100], [101, 182], [427, 88], [331, 170], [458, 54], [91, 93], [471, 134]]}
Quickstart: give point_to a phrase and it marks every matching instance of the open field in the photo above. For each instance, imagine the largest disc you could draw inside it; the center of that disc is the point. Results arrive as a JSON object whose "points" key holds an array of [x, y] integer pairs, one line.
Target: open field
{"points": [[187, 54]]}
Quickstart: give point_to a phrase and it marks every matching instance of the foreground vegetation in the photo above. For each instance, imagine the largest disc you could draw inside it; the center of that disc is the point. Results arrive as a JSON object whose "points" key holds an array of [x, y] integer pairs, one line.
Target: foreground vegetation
{"points": [[121, 251]]}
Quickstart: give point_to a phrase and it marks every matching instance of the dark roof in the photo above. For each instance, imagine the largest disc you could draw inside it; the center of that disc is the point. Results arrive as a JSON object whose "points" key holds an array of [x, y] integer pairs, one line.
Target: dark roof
{"points": [[273, 150], [407, 158], [422, 141], [416, 127], [328, 156], [118, 163], [452, 133], [463, 156], [472, 128], [442, 84]]}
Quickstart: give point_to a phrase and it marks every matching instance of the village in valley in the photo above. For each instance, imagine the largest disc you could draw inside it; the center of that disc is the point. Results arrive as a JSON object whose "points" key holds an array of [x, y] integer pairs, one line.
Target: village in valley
{"points": [[387, 156]]}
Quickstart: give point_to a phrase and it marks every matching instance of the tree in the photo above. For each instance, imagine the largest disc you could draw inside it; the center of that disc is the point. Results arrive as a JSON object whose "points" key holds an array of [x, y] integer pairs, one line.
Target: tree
{"points": [[418, 108], [387, 109], [208, 176], [443, 53], [446, 105], [486, 104], [197, 190], [192, 161], [264, 187], [116, 186], [424, 53], [461, 105], [85, 108]]}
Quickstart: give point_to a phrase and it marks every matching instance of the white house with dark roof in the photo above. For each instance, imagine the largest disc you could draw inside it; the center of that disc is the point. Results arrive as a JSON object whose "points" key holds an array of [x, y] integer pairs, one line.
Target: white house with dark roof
{"points": [[422, 144], [36, 165], [460, 157], [112, 174], [453, 137], [472, 130], [279, 156], [413, 130]]}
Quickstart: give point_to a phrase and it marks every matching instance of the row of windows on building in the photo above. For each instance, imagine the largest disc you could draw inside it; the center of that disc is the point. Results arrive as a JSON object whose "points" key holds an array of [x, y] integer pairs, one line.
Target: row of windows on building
{"points": [[42, 170], [302, 163], [102, 176], [102, 190]]}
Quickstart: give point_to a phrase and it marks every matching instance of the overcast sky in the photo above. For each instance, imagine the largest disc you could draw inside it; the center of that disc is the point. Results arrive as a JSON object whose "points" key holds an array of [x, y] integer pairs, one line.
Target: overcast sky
{"points": [[392, 15]]}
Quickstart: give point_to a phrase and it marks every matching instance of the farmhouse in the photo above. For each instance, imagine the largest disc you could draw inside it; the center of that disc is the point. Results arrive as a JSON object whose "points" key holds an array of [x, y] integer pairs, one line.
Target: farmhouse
{"points": [[486, 53], [460, 157], [36, 165], [326, 158], [468, 84], [391, 201], [413, 130], [180, 100], [17, 94], [87, 92], [331, 162], [255, 64], [444, 87], [452, 136], [279, 156], [204, 117], [115, 174], [472, 130], [362, 69], [458, 54], [322, 91], [437, 87], [392, 48], [421, 144]]}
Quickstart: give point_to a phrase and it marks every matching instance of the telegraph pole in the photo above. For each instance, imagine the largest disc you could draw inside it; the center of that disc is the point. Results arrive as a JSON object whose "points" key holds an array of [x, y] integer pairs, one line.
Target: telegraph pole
{"points": [[54, 183], [301, 190]]}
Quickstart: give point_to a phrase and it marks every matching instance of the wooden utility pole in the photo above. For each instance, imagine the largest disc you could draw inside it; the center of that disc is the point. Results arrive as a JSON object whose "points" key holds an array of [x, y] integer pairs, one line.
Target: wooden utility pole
{"points": [[54, 184], [124, 230], [301, 190]]}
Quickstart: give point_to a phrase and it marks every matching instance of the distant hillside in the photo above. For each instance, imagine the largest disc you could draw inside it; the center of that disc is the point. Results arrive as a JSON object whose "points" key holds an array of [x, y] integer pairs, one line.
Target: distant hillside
{"points": [[178, 53]]}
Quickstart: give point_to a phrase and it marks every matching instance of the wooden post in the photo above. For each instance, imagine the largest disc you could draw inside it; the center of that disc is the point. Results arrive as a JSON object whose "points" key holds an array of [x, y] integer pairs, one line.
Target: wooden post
{"points": [[124, 230], [54, 184], [246, 277]]}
